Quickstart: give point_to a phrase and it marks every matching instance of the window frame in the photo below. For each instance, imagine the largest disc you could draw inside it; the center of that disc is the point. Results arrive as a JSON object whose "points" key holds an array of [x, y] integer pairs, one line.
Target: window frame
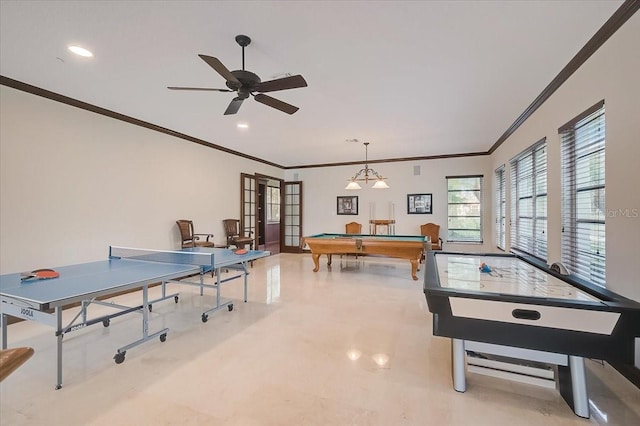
{"points": [[472, 188], [528, 187], [582, 146], [500, 205], [271, 205]]}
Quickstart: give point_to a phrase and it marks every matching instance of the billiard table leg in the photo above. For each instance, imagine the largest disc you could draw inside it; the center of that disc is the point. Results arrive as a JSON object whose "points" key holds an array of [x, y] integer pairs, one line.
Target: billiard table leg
{"points": [[316, 261], [414, 269]]}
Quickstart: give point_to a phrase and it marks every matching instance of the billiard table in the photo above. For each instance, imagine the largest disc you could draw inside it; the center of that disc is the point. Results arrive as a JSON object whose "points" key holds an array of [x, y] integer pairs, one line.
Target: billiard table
{"points": [[408, 247], [497, 306]]}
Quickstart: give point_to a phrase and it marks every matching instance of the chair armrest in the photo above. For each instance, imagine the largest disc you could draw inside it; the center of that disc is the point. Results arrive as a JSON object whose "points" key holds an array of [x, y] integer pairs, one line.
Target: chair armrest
{"points": [[196, 236], [11, 359]]}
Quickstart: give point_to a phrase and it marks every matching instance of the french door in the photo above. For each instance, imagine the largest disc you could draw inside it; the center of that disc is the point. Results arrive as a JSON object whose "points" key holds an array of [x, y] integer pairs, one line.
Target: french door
{"points": [[291, 241], [249, 205], [290, 207]]}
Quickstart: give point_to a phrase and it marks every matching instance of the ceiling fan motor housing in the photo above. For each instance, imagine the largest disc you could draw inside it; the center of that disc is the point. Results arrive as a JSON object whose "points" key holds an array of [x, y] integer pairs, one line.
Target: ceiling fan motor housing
{"points": [[248, 79]]}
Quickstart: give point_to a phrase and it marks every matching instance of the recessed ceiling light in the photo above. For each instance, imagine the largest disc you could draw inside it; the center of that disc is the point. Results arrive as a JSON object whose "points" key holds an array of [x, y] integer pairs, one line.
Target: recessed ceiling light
{"points": [[242, 126], [81, 51]]}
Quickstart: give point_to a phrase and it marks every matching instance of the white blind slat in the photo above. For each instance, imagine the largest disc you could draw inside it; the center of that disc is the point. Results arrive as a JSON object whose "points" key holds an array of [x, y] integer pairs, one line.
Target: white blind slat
{"points": [[500, 208], [583, 195], [529, 201]]}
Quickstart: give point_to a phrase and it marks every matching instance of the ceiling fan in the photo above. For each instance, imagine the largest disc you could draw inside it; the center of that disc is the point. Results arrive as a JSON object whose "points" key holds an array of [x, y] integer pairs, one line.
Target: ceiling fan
{"points": [[246, 83]]}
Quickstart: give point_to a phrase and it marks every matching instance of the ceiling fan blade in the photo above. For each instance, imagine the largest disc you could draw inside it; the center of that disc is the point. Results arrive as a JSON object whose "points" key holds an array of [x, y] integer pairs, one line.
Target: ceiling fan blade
{"points": [[220, 68], [275, 103], [284, 83], [234, 106], [199, 88]]}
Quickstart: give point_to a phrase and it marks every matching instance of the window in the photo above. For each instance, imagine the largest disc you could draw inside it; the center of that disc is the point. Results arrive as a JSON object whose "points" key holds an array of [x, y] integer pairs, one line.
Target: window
{"points": [[273, 204], [529, 201], [583, 195], [500, 208], [464, 202]]}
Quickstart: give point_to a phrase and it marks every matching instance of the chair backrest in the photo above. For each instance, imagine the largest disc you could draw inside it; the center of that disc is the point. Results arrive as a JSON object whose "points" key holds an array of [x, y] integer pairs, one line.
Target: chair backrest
{"points": [[353, 228], [186, 233], [432, 230], [231, 227]]}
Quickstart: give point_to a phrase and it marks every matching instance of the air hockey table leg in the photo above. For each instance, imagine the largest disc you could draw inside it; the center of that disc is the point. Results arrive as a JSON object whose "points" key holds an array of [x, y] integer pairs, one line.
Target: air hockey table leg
{"points": [[457, 358], [579, 385]]}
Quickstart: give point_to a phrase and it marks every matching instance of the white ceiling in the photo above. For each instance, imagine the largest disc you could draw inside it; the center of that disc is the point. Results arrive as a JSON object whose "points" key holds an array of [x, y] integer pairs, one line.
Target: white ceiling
{"points": [[413, 78]]}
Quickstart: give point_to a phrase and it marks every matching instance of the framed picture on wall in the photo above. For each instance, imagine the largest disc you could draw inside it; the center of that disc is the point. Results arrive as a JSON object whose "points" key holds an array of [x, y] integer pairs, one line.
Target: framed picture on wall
{"points": [[419, 204], [348, 205]]}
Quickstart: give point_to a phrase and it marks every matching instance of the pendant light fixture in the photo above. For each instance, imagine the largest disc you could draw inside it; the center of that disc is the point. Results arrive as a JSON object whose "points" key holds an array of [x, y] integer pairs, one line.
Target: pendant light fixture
{"points": [[367, 174]]}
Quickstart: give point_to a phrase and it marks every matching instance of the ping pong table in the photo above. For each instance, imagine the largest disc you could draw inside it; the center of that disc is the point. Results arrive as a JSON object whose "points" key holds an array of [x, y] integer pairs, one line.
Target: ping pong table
{"points": [[126, 269]]}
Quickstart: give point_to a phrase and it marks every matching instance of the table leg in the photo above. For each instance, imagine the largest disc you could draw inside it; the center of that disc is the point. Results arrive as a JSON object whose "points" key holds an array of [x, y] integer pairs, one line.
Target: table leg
{"points": [[457, 358], [3, 319], [59, 337], [316, 261], [246, 276], [414, 269], [579, 386]]}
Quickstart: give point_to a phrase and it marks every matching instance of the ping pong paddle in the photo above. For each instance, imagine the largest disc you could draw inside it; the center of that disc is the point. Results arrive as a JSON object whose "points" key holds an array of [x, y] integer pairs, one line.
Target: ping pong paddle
{"points": [[40, 274], [240, 251]]}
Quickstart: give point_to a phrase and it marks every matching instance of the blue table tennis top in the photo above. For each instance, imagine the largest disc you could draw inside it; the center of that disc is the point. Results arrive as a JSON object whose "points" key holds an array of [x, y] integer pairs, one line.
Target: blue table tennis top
{"points": [[93, 279], [77, 282]]}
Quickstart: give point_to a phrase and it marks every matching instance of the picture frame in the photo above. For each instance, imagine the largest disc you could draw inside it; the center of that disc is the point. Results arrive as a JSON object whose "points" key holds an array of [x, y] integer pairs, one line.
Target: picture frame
{"points": [[419, 204], [347, 205]]}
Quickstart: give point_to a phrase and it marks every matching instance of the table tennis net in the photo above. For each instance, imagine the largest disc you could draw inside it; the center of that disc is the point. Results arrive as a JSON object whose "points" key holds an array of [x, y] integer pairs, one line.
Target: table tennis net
{"points": [[163, 256]]}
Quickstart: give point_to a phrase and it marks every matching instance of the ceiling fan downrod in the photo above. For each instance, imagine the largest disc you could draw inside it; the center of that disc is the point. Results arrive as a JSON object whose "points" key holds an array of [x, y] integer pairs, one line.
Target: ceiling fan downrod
{"points": [[243, 41]]}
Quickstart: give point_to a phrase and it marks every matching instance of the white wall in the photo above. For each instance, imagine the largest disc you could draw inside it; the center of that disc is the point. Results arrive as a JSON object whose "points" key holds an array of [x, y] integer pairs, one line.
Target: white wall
{"points": [[322, 185], [610, 74], [73, 182]]}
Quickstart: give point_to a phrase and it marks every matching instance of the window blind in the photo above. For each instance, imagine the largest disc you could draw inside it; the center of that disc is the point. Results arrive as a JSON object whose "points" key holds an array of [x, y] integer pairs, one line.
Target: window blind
{"points": [[500, 198], [583, 195], [529, 201]]}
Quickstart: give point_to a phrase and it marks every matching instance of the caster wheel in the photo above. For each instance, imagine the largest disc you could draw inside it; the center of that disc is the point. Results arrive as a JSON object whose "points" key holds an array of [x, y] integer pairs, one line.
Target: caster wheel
{"points": [[106, 322], [119, 357], [205, 317], [58, 387], [163, 337], [176, 299], [230, 307], [150, 308]]}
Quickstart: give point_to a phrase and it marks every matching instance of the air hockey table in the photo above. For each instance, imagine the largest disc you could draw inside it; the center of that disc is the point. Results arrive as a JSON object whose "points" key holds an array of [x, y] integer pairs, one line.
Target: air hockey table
{"points": [[520, 309]]}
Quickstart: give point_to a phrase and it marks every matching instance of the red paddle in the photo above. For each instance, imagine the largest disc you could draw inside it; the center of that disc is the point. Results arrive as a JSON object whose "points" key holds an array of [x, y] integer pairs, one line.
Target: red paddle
{"points": [[40, 274], [240, 251]]}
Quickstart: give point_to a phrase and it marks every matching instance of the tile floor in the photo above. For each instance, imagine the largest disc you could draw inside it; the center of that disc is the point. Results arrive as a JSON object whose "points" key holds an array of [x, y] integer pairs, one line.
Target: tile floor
{"points": [[350, 346]]}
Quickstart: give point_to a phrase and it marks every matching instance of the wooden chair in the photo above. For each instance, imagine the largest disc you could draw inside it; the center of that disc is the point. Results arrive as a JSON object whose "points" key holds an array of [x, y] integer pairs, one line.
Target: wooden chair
{"points": [[189, 238], [234, 237], [353, 228], [432, 230], [11, 359]]}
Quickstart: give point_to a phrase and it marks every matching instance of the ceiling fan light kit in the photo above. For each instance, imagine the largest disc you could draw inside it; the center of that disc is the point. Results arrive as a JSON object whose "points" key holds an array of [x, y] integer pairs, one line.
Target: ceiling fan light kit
{"points": [[245, 84], [366, 174]]}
